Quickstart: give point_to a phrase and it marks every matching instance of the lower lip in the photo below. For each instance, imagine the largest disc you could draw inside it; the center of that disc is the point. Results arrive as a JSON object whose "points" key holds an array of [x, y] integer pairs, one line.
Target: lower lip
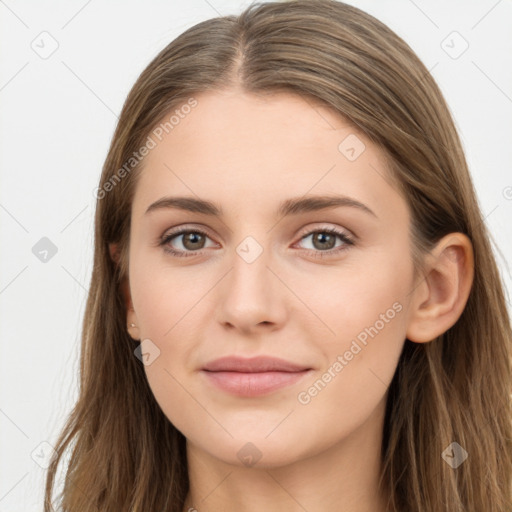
{"points": [[253, 384]]}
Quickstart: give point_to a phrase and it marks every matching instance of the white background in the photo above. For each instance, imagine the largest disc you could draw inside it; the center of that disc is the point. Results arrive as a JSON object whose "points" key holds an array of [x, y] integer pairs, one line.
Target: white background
{"points": [[57, 118]]}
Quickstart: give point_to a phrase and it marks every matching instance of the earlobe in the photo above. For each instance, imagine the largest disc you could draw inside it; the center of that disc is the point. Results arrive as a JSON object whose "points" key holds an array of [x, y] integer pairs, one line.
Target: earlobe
{"points": [[132, 323], [440, 298], [114, 252], [131, 318]]}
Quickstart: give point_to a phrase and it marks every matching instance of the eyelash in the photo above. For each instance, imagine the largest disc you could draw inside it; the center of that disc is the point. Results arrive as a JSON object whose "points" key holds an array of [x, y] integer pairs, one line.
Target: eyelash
{"points": [[348, 241]]}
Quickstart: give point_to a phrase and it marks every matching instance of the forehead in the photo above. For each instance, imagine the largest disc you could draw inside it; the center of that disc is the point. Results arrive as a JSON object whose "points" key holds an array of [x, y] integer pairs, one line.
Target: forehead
{"points": [[233, 144], [256, 119]]}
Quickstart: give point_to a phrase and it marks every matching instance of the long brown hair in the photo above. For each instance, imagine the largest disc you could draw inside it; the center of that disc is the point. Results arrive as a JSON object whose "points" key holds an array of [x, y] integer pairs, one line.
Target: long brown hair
{"points": [[124, 453]]}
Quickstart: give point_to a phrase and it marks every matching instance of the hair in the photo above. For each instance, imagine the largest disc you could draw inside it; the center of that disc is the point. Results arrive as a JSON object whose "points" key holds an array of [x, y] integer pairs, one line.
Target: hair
{"points": [[124, 453]]}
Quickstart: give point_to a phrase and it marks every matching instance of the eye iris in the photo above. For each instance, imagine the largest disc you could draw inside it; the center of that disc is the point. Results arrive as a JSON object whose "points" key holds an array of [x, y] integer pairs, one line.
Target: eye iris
{"points": [[323, 236], [192, 238]]}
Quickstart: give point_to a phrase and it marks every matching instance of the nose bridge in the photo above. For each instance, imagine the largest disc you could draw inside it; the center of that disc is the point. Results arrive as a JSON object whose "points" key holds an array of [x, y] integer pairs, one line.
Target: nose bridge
{"points": [[249, 293], [250, 273]]}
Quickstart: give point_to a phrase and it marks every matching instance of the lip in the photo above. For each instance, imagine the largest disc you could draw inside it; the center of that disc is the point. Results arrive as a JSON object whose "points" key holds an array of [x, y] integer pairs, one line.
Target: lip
{"points": [[254, 376], [253, 365]]}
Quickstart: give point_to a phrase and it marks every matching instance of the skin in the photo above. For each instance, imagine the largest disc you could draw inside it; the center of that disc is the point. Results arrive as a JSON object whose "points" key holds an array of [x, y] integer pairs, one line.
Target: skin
{"points": [[247, 154]]}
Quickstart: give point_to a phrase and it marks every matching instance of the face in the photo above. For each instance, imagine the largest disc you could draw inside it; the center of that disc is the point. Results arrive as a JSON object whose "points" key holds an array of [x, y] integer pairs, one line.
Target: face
{"points": [[321, 286]]}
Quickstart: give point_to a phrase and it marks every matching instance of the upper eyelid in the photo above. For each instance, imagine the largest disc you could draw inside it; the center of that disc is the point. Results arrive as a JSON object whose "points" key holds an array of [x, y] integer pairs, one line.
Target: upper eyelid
{"points": [[193, 227], [181, 230], [326, 227]]}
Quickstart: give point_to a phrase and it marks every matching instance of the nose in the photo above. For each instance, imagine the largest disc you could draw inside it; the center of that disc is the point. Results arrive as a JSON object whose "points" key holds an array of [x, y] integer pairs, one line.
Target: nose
{"points": [[252, 297]]}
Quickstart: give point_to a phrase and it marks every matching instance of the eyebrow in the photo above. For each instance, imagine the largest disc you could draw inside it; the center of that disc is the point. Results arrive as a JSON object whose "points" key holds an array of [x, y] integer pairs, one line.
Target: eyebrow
{"points": [[292, 206]]}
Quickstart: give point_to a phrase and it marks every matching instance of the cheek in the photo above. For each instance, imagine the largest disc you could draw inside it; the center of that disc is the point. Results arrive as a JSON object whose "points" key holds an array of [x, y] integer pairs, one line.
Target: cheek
{"points": [[363, 299], [365, 311], [162, 297], [166, 304], [360, 363]]}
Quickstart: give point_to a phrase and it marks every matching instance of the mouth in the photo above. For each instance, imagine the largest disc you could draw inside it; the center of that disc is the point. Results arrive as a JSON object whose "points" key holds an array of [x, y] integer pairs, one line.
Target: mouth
{"points": [[253, 377]]}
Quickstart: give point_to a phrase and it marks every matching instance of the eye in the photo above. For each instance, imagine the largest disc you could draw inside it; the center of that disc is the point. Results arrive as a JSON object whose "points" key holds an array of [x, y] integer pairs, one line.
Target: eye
{"points": [[192, 240], [324, 241]]}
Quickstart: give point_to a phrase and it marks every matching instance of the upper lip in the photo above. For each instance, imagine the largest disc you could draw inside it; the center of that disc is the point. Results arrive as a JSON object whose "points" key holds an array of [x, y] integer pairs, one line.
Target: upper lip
{"points": [[253, 365]]}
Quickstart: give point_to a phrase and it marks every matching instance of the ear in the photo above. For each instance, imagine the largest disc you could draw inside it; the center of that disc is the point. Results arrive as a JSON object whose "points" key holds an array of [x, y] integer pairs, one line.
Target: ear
{"points": [[440, 297], [113, 249], [131, 317]]}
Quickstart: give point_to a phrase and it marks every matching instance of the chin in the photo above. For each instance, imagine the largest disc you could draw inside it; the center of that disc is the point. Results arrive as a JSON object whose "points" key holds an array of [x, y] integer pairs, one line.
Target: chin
{"points": [[246, 450]]}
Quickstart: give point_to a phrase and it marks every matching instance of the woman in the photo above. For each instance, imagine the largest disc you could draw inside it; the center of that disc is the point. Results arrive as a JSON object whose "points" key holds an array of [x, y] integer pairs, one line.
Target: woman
{"points": [[294, 303]]}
